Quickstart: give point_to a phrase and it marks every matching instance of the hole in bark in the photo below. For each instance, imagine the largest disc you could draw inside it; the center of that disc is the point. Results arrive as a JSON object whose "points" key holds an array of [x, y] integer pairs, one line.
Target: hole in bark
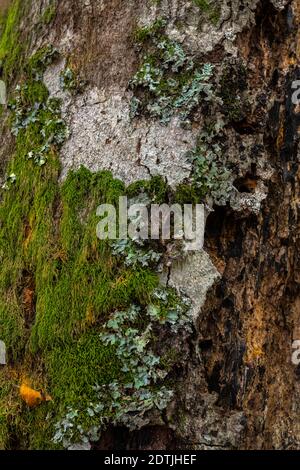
{"points": [[215, 222], [205, 344], [246, 184], [213, 380], [244, 127], [27, 297], [148, 438]]}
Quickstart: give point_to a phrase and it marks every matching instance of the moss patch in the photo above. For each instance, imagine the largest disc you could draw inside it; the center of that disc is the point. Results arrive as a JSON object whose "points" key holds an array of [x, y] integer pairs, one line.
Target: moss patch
{"points": [[49, 14], [11, 46], [211, 9]]}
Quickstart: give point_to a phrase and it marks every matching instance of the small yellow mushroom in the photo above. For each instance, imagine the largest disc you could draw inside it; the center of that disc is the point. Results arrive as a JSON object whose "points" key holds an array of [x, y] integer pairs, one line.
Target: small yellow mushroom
{"points": [[32, 397]]}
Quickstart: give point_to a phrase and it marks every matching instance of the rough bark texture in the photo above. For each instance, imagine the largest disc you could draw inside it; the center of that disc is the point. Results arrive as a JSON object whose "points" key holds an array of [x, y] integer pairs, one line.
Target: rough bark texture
{"points": [[236, 386]]}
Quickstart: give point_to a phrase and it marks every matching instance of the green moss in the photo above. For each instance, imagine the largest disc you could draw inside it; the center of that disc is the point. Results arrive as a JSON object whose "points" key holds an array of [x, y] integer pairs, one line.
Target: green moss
{"points": [[34, 427], [160, 192], [11, 46], [74, 280], [95, 362], [203, 4], [211, 9], [12, 329], [89, 282], [34, 92], [142, 34], [77, 281], [38, 63], [156, 188], [9, 407], [49, 14], [187, 194]]}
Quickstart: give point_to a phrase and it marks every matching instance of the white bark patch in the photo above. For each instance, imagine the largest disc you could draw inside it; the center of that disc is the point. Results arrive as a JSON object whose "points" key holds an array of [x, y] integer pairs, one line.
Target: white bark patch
{"points": [[103, 137], [2, 353], [195, 275]]}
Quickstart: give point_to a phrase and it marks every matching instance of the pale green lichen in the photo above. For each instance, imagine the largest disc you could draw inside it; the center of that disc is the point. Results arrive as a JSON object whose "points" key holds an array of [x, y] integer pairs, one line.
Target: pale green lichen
{"points": [[168, 82], [210, 175], [70, 81], [128, 402]]}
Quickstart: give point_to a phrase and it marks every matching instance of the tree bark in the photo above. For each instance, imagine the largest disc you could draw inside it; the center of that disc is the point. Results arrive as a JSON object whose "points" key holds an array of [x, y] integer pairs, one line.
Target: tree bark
{"points": [[236, 386]]}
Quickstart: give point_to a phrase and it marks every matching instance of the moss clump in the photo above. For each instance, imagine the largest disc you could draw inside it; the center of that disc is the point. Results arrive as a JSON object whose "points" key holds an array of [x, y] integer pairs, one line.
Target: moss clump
{"points": [[211, 9], [49, 14], [88, 355], [77, 282], [33, 92], [38, 63], [187, 194], [159, 192], [156, 188], [11, 45], [144, 33], [26, 210], [9, 407], [203, 4], [59, 283], [86, 283]]}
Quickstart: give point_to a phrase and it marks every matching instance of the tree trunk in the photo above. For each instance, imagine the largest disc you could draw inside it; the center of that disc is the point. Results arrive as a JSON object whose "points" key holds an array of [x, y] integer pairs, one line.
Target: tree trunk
{"points": [[187, 101]]}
